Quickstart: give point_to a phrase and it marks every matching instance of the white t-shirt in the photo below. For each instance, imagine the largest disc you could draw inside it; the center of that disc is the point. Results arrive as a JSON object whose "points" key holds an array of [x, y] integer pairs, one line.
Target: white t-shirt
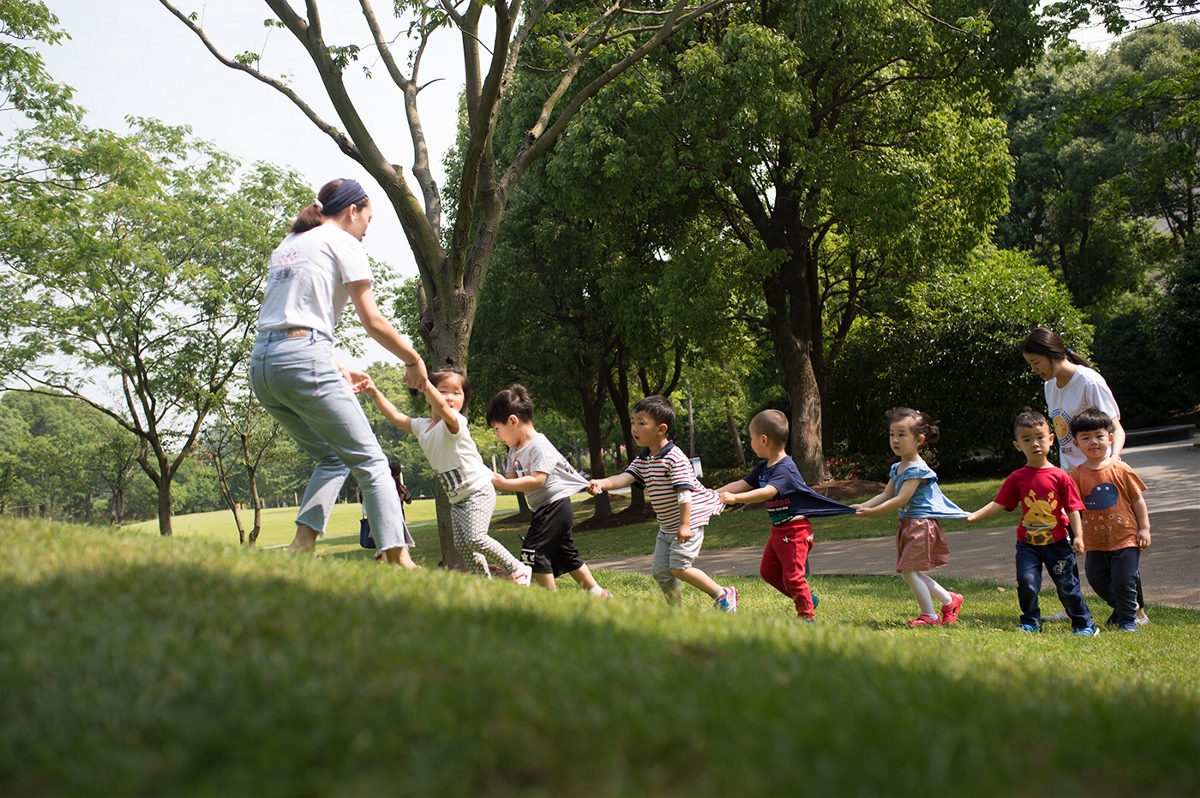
{"points": [[1085, 389], [306, 286], [455, 458], [540, 456]]}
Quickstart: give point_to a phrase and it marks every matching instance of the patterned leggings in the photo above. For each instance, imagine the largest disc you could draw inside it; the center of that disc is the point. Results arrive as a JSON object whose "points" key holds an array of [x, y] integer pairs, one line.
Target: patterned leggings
{"points": [[470, 519]]}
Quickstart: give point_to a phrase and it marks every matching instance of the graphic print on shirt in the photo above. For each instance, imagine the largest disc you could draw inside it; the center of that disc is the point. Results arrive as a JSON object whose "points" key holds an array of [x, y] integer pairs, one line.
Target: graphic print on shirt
{"points": [[1101, 497], [451, 480], [1062, 426], [1039, 519]]}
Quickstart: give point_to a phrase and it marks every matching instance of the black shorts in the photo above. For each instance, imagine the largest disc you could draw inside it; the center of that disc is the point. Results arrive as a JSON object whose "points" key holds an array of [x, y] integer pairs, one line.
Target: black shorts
{"points": [[548, 547]]}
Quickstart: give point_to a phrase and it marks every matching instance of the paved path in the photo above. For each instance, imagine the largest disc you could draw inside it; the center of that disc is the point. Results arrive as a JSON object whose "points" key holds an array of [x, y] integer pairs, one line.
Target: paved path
{"points": [[1170, 567]]}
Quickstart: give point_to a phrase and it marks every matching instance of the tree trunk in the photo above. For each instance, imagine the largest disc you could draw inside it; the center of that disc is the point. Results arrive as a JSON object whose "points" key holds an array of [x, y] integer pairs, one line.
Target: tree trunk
{"points": [[619, 391], [790, 325], [595, 437], [734, 434], [256, 505]]}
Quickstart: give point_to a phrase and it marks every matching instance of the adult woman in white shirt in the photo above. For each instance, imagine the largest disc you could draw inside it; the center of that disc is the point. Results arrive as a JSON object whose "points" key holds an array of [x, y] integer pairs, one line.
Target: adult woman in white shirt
{"points": [[317, 268]]}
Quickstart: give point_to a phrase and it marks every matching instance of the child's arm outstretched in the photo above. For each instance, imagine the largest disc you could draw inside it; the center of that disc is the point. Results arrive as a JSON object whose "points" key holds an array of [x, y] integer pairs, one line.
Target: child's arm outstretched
{"points": [[598, 486], [889, 499], [986, 511], [511, 483], [439, 408], [386, 408], [741, 492]]}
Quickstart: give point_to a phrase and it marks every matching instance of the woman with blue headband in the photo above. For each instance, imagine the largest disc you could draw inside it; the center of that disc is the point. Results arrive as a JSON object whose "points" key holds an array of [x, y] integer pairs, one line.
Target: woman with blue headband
{"points": [[320, 266]]}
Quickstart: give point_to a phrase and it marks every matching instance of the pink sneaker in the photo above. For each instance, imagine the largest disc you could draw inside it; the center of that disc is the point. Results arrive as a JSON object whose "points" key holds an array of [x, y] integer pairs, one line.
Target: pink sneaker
{"points": [[924, 620], [950, 611], [523, 575]]}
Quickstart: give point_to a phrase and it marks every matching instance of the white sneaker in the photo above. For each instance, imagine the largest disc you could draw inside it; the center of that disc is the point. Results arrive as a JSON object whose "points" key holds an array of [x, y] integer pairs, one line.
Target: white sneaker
{"points": [[1058, 616], [1141, 619], [523, 575]]}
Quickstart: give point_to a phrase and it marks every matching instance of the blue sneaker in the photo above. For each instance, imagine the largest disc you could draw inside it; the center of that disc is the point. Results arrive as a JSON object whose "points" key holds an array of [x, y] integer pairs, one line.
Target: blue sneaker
{"points": [[728, 600], [1088, 631], [1027, 627], [1130, 626], [816, 601]]}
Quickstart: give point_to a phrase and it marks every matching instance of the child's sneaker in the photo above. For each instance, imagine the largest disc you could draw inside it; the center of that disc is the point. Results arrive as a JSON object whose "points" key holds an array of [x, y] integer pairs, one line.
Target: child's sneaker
{"points": [[950, 611], [728, 600], [1141, 619], [1130, 627], [924, 620], [1088, 631], [816, 600], [523, 575], [1027, 627]]}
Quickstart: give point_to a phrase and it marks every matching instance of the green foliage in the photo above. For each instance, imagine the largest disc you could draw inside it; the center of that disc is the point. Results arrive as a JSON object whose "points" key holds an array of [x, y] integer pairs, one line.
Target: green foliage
{"points": [[139, 259], [1177, 326], [1146, 381], [184, 668], [25, 85], [951, 348], [1107, 149]]}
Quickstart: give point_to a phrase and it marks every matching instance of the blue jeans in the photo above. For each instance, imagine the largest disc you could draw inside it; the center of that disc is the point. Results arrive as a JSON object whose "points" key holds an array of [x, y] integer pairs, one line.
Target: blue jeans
{"points": [[1060, 562], [1114, 577], [296, 381]]}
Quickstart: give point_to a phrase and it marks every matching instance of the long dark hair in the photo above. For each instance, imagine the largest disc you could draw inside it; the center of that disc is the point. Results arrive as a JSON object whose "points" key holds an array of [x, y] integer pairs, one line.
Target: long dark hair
{"points": [[311, 216], [1047, 343]]}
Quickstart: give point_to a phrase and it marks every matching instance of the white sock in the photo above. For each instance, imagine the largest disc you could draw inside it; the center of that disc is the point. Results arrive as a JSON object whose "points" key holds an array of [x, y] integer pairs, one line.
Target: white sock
{"points": [[920, 592], [596, 590], [935, 590]]}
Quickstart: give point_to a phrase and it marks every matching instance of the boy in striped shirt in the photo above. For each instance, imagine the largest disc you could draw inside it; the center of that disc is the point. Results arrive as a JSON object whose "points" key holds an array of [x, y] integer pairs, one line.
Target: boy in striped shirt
{"points": [[682, 504]]}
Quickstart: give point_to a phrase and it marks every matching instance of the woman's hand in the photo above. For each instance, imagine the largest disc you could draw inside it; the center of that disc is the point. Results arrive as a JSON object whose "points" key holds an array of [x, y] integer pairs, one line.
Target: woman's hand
{"points": [[416, 375]]}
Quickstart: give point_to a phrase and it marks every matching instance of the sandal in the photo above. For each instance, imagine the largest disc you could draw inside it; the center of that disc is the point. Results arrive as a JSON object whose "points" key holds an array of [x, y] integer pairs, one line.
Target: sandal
{"points": [[925, 620]]}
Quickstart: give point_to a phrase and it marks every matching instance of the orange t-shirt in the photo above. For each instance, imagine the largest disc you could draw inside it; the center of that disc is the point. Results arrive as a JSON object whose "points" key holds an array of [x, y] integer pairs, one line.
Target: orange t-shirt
{"points": [[1108, 496]]}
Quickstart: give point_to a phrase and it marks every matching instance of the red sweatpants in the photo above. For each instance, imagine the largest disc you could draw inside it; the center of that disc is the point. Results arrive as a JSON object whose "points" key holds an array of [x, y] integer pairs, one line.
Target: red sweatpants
{"points": [[785, 562]]}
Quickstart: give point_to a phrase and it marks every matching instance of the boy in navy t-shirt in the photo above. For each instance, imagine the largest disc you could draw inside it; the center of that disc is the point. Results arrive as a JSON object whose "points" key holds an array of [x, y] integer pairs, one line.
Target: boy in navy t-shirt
{"points": [[790, 502]]}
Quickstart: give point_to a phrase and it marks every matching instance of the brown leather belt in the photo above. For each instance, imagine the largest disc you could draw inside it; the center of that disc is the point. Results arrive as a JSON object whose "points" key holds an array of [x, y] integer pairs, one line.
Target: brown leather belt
{"points": [[298, 332]]}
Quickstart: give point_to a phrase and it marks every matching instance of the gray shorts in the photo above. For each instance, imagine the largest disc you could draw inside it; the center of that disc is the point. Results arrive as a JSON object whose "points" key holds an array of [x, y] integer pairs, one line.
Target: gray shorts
{"points": [[670, 554]]}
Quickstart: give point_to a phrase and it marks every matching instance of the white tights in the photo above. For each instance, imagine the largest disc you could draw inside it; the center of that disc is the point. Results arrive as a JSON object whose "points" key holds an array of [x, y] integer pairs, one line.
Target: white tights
{"points": [[925, 590]]}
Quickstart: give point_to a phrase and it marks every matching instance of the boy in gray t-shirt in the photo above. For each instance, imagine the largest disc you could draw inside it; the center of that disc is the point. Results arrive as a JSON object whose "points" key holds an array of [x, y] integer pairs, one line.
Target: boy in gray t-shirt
{"points": [[548, 481]]}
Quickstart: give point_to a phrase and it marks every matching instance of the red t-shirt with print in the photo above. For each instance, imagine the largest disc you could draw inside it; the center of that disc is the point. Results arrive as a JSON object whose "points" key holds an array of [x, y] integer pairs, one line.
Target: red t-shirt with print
{"points": [[1045, 496]]}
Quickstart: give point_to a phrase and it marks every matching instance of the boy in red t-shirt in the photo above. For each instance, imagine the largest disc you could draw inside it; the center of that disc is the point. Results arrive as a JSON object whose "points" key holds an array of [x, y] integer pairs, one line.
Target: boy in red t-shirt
{"points": [[1116, 523], [1049, 503]]}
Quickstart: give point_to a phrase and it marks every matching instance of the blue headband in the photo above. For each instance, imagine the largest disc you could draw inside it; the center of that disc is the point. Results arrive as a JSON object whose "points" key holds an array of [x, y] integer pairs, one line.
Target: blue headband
{"points": [[346, 194]]}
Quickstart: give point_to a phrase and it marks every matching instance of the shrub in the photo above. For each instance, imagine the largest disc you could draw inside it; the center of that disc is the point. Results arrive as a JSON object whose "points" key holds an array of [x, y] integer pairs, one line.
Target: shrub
{"points": [[951, 348], [1146, 382]]}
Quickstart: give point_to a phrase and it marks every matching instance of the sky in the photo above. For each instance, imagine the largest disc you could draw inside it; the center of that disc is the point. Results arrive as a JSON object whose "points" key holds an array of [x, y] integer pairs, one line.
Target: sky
{"points": [[134, 58]]}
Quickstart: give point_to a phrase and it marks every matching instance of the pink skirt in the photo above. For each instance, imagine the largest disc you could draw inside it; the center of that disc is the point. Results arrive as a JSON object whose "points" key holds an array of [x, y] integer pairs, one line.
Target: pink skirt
{"points": [[920, 545]]}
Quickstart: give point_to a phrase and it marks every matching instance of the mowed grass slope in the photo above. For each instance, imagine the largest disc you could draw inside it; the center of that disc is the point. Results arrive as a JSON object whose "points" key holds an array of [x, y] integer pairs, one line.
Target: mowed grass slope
{"points": [[131, 664]]}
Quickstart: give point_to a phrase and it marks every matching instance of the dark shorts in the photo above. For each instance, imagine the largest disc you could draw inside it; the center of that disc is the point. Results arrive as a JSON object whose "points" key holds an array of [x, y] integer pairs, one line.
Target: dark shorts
{"points": [[548, 547]]}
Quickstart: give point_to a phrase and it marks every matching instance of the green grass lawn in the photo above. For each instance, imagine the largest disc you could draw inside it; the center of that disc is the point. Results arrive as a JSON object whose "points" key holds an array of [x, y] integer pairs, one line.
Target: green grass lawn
{"points": [[131, 664], [728, 530]]}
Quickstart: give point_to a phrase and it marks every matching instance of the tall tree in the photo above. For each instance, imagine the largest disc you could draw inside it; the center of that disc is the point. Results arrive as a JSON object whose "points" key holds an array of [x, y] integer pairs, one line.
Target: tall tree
{"points": [[591, 45], [847, 147], [135, 263]]}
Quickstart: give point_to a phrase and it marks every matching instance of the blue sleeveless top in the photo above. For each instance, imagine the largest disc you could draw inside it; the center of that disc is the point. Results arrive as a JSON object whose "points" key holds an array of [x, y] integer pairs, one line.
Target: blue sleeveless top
{"points": [[928, 501]]}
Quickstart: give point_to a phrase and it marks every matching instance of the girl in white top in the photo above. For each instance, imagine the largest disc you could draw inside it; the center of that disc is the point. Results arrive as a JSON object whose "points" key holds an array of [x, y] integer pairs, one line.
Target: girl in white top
{"points": [[447, 443]]}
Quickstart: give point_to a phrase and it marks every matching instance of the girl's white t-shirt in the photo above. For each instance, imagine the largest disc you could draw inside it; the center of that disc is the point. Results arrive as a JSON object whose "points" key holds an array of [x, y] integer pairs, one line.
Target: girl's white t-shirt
{"points": [[1085, 389], [306, 285], [455, 458]]}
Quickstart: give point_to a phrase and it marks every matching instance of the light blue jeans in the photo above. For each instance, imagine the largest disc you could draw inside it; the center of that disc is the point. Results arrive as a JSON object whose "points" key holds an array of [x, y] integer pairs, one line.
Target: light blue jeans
{"points": [[296, 381]]}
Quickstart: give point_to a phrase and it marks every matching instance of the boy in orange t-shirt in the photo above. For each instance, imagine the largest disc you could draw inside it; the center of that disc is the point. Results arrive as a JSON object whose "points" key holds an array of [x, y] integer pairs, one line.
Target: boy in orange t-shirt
{"points": [[1116, 524]]}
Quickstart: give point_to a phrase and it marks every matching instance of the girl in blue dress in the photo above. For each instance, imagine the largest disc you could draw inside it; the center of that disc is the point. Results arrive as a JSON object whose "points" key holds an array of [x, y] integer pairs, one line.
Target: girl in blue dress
{"points": [[912, 489]]}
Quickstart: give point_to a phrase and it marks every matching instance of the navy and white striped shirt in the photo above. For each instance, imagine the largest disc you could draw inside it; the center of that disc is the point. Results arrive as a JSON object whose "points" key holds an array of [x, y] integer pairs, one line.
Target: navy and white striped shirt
{"points": [[662, 476]]}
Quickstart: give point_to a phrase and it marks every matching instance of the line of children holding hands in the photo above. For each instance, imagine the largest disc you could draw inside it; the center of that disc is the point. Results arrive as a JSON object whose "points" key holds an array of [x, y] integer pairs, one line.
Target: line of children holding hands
{"points": [[1050, 532]]}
